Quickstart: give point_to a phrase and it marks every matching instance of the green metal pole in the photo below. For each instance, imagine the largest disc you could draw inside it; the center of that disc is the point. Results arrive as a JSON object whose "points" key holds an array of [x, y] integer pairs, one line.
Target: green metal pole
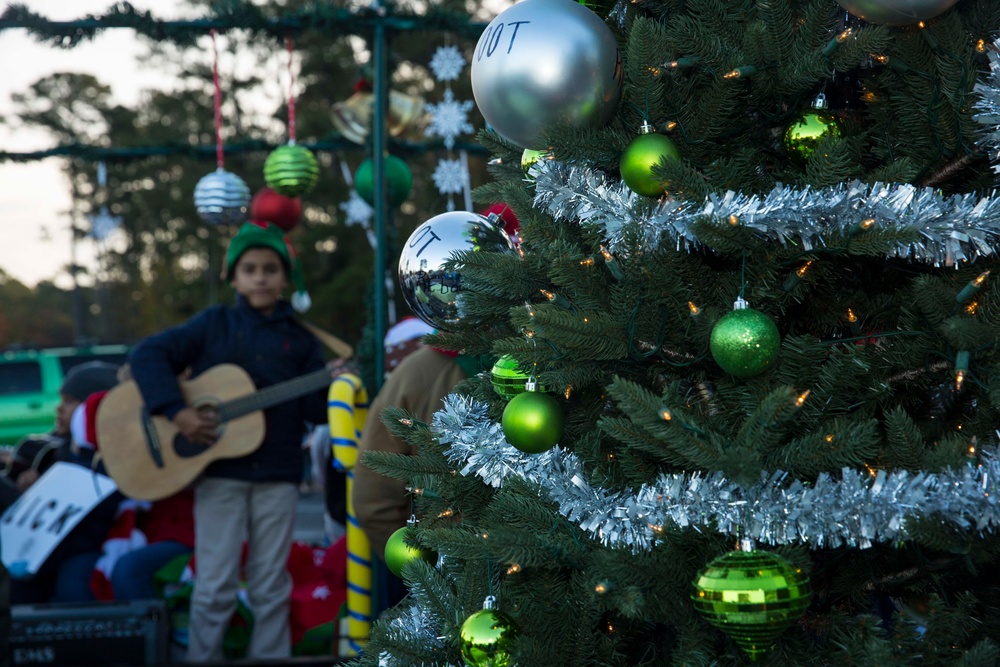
{"points": [[379, 141]]}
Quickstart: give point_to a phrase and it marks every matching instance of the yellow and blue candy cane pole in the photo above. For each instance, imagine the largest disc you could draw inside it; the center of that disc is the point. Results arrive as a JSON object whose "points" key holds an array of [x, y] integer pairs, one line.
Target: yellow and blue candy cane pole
{"points": [[347, 407]]}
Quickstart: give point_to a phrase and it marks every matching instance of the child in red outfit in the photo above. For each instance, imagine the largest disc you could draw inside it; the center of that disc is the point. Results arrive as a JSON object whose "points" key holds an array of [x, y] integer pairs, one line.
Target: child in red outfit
{"points": [[145, 537]]}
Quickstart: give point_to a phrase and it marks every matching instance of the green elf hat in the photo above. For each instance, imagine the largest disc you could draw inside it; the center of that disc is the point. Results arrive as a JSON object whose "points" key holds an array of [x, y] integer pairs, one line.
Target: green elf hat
{"points": [[259, 234]]}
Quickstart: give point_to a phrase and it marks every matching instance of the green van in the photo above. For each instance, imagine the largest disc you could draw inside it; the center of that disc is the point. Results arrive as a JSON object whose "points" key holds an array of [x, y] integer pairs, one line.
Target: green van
{"points": [[30, 381]]}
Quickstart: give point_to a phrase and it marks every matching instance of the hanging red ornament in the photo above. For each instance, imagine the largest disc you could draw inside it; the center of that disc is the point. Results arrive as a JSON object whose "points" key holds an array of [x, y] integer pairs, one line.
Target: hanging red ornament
{"points": [[270, 206]]}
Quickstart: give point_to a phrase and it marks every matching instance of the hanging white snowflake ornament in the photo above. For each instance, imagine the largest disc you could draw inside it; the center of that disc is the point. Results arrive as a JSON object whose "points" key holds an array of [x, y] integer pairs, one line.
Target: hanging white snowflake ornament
{"points": [[356, 210], [450, 177], [449, 118], [447, 63]]}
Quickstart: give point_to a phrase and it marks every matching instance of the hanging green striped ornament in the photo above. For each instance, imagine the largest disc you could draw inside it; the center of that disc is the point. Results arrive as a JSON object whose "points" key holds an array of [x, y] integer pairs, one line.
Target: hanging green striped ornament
{"points": [[752, 596], [291, 170]]}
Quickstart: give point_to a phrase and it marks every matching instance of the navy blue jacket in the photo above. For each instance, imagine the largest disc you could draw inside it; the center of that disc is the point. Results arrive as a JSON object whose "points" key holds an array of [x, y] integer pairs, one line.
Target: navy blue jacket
{"points": [[271, 349]]}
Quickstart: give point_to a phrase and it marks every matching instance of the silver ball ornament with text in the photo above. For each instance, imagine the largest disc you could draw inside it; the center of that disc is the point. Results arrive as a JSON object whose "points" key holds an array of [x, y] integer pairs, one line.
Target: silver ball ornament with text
{"points": [[541, 62], [896, 12], [432, 292]]}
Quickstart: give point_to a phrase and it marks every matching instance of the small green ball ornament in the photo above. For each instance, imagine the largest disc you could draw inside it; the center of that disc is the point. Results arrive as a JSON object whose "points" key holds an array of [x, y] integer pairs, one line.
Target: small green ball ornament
{"points": [[398, 553], [529, 158], [752, 596], [399, 180], [486, 637], [533, 422], [805, 134], [745, 342], [507, 379], [639, 158], [291, 170]]}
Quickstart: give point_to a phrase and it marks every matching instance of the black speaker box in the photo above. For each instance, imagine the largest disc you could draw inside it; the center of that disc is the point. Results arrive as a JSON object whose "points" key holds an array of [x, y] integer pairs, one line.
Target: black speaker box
{"points": [[102, 634]]}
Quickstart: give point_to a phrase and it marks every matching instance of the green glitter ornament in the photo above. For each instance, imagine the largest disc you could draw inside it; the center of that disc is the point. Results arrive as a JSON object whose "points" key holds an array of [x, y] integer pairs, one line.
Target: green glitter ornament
{"points": [[399, 180], [752, 596], [745, 342], [507, 379], [639, 158], [805, 134], [532, 421], [486, 637], [291, 170], [398, 553]]}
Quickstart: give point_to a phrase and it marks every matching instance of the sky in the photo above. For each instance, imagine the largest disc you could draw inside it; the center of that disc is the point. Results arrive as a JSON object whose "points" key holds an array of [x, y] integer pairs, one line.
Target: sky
{"points": [[35, 237]]}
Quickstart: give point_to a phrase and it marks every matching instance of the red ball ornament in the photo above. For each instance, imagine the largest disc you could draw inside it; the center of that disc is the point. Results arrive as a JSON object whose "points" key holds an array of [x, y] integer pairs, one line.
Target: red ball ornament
{"points": [[270, 206]]}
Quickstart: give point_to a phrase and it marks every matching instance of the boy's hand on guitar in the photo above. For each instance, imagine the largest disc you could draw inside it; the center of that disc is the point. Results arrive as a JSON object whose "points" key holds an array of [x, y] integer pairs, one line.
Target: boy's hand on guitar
{"points": [[198, 427], [340, 366]]}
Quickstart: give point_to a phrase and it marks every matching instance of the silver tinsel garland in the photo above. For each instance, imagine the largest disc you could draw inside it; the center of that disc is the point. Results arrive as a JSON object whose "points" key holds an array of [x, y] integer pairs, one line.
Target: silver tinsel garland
{"points": [[949, 230], [988, 106], [856, 510]]}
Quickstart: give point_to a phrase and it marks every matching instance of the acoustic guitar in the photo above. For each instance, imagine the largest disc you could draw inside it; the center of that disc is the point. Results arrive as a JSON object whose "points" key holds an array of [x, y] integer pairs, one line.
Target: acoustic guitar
{"points": [[148, 457]]}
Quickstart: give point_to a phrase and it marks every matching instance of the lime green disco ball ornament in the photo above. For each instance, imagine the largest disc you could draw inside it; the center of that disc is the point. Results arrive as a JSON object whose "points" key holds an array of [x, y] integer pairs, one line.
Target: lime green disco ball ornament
{"points": [[507, 379], [291, 170], [486, 637], [398, 553], [752, 596], [639, 158], [398, 178], [533, 422], [805, 134], [745, 342]]}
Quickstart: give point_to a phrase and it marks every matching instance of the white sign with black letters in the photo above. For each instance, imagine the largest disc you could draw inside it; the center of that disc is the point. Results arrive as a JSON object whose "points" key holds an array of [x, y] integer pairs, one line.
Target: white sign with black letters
{"points": [[34, 526]]}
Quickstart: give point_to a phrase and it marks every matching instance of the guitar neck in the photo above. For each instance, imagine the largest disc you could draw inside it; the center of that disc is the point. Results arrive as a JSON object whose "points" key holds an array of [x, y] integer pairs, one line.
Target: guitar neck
{"points": [[274, 395]]}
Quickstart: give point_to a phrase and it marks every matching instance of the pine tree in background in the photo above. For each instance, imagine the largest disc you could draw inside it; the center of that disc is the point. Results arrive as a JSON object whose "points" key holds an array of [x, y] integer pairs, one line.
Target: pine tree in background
{"points": [[806, 479]]}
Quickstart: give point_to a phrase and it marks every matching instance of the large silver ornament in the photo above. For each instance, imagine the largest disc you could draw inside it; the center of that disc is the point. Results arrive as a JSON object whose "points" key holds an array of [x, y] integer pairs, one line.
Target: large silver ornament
{"points": [[896, 12], [222, 198], [434, 294], [541, 62]]}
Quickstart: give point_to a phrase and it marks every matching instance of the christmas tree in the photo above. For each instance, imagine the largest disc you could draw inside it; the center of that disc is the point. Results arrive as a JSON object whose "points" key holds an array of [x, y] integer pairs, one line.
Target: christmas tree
{"points": [[747, 402]]}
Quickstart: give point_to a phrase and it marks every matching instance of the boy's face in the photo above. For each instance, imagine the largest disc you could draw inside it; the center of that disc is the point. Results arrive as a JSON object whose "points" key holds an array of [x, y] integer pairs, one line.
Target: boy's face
{"points": [[259, 275], [64, 413]]}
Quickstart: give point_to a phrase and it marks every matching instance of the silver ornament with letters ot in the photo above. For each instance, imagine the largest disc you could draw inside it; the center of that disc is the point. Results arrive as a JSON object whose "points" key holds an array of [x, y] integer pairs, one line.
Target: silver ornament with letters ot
{"points": [[433, 293], [541, 62], [896, 12]]}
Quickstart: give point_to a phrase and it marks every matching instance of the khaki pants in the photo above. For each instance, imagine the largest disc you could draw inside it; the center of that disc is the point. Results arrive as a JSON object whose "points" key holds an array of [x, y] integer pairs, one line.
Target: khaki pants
{"points": [[227, 511]]}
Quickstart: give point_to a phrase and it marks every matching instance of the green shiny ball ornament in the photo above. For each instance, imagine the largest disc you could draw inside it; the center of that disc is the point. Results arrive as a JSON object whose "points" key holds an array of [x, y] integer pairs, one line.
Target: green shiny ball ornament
{"points": [[508, 380], [399, 180], [291, 170], [486, 637], [752, 596], [638, 160], [533, 422], [805, 134], [529, 158], [398, 553], [599, 7], [745, 342]]}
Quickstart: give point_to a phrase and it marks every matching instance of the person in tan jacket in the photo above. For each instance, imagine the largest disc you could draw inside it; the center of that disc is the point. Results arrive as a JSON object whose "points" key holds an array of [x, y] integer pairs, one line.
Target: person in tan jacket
{"points": [[417, 385]]}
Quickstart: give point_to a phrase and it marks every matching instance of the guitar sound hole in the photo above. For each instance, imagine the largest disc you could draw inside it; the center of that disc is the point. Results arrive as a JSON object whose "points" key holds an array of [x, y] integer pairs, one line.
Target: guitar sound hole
{"points": [[186, 449]]}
